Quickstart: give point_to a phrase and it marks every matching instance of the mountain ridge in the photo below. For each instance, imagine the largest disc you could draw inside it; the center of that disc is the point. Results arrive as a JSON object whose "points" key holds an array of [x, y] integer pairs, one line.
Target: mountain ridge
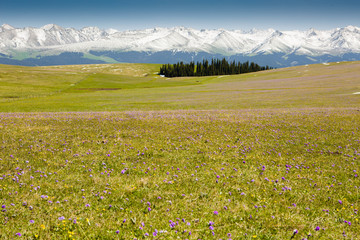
{"points": [[51, 40]]}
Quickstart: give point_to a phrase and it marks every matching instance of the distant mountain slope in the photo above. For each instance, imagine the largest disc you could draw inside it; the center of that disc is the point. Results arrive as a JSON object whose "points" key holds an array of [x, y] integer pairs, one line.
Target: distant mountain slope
{"points": [[27, 46]]}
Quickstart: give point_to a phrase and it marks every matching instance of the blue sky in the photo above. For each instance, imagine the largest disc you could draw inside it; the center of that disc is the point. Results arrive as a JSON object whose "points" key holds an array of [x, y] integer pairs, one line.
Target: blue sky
{"points": [[198, 14]]}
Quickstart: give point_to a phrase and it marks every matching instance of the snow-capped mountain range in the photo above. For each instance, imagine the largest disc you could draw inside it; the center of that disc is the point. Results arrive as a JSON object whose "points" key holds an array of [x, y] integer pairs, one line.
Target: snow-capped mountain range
{"points": [[52, 39]]}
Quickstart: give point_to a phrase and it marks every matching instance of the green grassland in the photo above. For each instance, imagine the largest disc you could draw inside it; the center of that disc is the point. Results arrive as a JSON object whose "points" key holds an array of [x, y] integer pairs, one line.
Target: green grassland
{"points": [[119, 87], [254, 174], [115, 151]]}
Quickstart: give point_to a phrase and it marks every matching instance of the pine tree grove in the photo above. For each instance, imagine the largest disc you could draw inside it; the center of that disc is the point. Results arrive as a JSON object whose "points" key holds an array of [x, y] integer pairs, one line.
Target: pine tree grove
{"points": [[204, 68]]}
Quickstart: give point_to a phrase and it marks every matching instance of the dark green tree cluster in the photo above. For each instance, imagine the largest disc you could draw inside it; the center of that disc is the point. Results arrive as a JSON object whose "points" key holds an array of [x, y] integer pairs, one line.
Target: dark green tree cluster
{"points": [[206, 68]]}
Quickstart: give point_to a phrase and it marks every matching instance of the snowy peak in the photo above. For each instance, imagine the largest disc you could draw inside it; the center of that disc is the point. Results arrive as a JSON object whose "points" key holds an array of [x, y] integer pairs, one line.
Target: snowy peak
{"points": [[7, 27], [111, 31], [312, 42], [352, 29], [46, 36], [94, 33], [52, 27], [228, 41], [346, 39]]}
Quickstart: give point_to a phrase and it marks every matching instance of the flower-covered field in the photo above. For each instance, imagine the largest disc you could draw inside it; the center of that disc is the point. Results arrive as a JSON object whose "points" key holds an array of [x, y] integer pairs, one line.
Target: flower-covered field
{"points": [[249, 174]]}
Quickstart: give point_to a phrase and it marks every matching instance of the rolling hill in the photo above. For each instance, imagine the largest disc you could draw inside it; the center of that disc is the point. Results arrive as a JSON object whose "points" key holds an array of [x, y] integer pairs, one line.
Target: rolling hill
{"points": [[119, 87]]}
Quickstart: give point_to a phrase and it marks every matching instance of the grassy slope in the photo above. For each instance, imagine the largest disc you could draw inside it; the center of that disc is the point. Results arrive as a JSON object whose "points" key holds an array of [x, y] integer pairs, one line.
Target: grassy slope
{"points": [[266, 173], [243, 174], [116, 87]]}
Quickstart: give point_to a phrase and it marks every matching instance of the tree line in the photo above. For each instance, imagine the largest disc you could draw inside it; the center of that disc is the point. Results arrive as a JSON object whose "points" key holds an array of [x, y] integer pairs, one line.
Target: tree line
{"points": [[206, 68]]}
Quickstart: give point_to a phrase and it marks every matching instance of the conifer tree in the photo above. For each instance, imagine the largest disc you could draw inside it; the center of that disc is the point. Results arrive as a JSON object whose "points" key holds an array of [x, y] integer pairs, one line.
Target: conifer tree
{"points": [[204, 68]]}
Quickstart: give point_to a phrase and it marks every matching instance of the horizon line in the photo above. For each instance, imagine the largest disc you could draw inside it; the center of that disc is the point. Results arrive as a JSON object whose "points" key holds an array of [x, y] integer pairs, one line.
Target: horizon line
{"points": [[176, 27]]}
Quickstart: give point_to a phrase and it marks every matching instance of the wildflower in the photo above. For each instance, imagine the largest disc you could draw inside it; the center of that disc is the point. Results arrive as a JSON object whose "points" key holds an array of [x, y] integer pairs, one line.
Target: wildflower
{"points": [[31, 221], [317, 228], [294, 233], [18, 234], [216, 212]]}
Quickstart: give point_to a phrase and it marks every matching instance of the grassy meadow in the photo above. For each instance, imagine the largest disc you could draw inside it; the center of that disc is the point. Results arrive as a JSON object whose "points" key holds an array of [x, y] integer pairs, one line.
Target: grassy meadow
{"points": [[116, 152], [124, 87]]}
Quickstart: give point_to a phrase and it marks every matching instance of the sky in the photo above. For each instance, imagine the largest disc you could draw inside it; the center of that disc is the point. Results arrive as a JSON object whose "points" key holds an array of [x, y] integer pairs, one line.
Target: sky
{"points": [[199, 14]]}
